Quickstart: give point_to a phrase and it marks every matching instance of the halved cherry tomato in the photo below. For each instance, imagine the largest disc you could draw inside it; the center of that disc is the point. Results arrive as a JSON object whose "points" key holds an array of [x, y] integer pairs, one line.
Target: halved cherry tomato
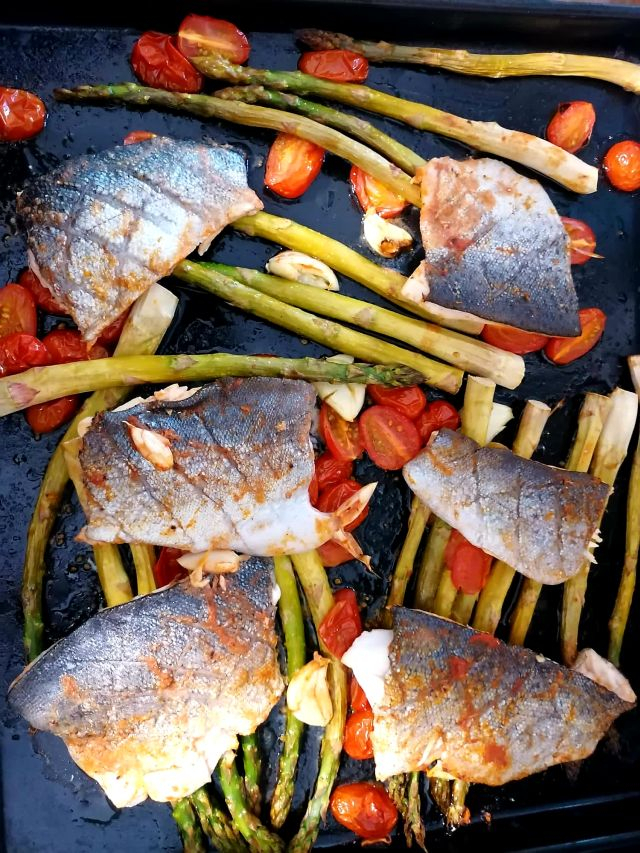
{"points": [[138, 136], [357, 735], [410, 400], [22, 114], [333, 554], [157, 62], [469, 566], [371, 192], [330, 470], [111, 335], [582, 240], [167, 568], [341, 437], [357, 697], [566, 350], [513, 340], [437, 415], [292, 165], [334, 496], [365, 808], [17, 310], [622, 165], [66, 345], [42, 295], [45, 417], [342, 624], [389, 437], [314, 489], [571, 125], [19, 351], [200, 34], [343, 66]]}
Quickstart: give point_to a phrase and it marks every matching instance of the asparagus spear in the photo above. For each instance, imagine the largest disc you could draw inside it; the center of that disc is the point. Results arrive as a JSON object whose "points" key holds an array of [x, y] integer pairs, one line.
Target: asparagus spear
{"points": [[207, 106], [618, 71], [504, 368], [193, 840], [609, 455], [414, 826], [531, 151], [252, 763], [418, 519], [144, 558], [368, 133], [216, 823]]}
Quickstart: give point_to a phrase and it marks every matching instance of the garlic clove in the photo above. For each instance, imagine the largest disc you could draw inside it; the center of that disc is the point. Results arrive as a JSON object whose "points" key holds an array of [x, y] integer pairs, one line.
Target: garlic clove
{"points": [[153, 446], [296, 266], [308, 696], [498, 419], [217, 562], [346, 398], [383, 236], [174, 393], [84, 426]]}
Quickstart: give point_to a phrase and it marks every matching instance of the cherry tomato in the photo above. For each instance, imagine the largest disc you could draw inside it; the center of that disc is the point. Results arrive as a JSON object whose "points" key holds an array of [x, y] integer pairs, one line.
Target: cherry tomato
{"points": [[571, 125], [19, 351], [371, 192], [357, 735], [200, 34], [157, 62], [437, 415], [357, 697], [66, 345], [111, 335], [138, 136], [330, 470], [314, 489], [411, 401], [342, 624], [333, 554], [341, 437], [17, 310], [334, 496], [22, 114], [292, 165], [42, 295], [365, 808], [389, 437], [622, 165], [46, 417], [469, 566], [566, 350], [343, 66], [582, 240], [167, 568], [513, 340]]}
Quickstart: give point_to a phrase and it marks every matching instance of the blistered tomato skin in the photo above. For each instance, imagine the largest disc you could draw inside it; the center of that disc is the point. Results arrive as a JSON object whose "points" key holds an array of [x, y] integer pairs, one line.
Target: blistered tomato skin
{"points": [[622, 165], [572, 125], [199, 35], [341, 66], [157, 62], [292, 166], [45, 417], [371, 192], [365, 808], [22, 114]]}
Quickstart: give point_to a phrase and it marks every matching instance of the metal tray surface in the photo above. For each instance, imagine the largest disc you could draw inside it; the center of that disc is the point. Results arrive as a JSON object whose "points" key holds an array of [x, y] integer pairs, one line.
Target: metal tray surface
{"points": [[47, 802]]}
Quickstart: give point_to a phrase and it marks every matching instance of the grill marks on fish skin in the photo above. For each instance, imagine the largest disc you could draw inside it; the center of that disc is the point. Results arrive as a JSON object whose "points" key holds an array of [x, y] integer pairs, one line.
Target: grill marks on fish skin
{"points": [[495, 247], [536, 518], [490, 713], [103, 228]]}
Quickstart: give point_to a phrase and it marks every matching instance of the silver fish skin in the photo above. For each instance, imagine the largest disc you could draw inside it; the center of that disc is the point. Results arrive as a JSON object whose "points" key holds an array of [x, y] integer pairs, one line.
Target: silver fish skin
{"points": [[243, 462], [102, 228], [147, 695], [494, 247], [487, 712], [539, 519]]}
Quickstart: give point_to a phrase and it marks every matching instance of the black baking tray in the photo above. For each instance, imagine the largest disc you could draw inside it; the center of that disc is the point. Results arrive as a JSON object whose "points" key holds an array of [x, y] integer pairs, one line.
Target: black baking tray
{"points": [[47, 803]]}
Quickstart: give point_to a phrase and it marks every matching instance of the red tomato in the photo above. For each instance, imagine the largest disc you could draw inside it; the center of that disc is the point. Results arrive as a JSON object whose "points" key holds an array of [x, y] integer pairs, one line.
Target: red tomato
{"points": [[292, 165], [512, 340], [365, 808], [334, 496], [138, 136], [410, 401], [389, 437], [167, 568], [333, 554], [67, 345], [566, 350], [469, 566], [622, 165], [22, 114], [342, 624], [330, 470], [42, 295], [45, 417], [582, 240], [357, 735], [357, 697], [157, 62], [17, 310], [437, 415], [571, 126], [18, 352], [341, 437], [314, 489], [200, 34], [111, 335], [343, 66], [371, 192]]}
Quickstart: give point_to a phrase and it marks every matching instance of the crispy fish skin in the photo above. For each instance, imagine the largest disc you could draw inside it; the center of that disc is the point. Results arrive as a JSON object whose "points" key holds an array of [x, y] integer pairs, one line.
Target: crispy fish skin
{"points": [[488, 712], [147, 695], [102, 228], [495, 247], [536, 518]]}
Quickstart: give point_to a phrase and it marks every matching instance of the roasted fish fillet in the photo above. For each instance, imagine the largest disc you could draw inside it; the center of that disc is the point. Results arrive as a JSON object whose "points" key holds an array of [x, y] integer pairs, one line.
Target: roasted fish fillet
{"points": [[148, 695], [463, 703], [494, 247], [541, 520], [102, 228]]}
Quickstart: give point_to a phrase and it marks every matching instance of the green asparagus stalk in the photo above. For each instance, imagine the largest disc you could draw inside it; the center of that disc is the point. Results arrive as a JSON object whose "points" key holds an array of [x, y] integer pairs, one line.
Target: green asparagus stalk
{"points": [[618, 71], [414, 825], [252, 763], [368, 133], [207, 106], [431, 565], [193, 840], [144, 558], [216, 823], [530, 151], [258, 837], [418, 519]]}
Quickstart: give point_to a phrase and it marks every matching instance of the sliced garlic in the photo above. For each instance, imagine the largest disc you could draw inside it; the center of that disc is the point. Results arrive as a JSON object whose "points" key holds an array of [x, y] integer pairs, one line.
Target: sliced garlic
{"points": [[174, 393], [219, 562], [129, 404], [346, 398], [296, 266], [498, 419], [84, 425], [155, 448], [308, 696], [385, 237]]}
